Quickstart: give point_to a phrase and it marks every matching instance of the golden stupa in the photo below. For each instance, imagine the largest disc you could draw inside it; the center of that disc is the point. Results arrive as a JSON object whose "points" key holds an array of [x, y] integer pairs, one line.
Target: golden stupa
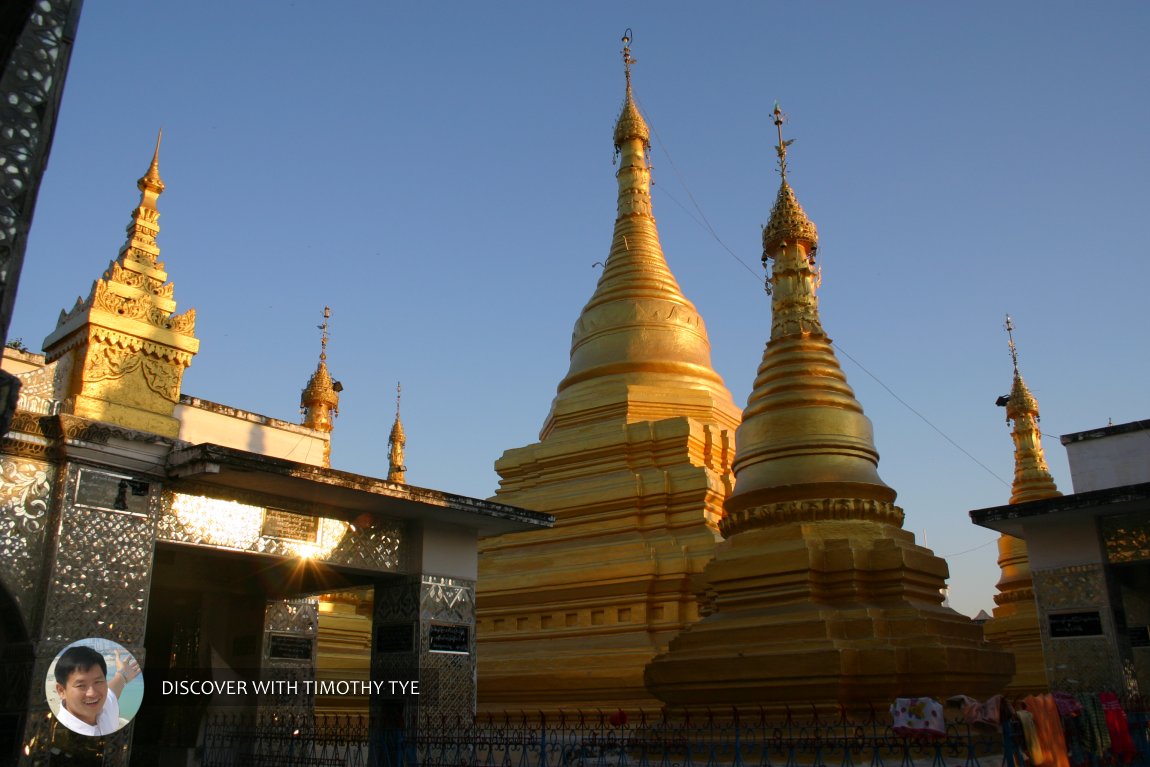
{"points": [[817, 595], [1015, 624], [634, 462], [122, 351], [319, 400]]}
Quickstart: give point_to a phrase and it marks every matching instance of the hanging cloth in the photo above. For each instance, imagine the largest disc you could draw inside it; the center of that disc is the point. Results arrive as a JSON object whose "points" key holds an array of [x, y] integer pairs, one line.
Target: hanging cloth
{"points": [[1121, 745], [1048, 730]]}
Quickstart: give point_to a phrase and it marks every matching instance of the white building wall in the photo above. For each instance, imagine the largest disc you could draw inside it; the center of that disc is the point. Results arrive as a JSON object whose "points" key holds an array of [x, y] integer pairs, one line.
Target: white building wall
{"points": [[1110, 457], [203, 422]]}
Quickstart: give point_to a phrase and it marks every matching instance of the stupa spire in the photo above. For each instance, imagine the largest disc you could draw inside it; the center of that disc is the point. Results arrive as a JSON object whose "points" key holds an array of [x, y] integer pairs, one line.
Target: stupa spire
{"points": [[638, 329], [816, 592], [1032, 479], [1016, 623], [396, 441], [319, 400], [804, 436]]}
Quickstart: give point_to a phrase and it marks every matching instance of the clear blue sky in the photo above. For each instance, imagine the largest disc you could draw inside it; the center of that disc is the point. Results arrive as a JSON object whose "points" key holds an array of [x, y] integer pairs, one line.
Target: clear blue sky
{"points": [[440, 174]]}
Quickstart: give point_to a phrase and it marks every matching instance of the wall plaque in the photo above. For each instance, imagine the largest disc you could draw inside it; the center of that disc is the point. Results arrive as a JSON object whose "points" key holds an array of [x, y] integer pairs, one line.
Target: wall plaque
{"points": [[111, 492], [290, 527], [289, 647], [1075, 625], [455, 639], [394, 637]]}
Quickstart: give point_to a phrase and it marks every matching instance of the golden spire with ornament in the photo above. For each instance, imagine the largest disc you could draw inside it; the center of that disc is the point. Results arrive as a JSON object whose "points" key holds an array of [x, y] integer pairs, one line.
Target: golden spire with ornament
{"points": [[816, 592], [1015, 623], [319, 400], [396, 441]]}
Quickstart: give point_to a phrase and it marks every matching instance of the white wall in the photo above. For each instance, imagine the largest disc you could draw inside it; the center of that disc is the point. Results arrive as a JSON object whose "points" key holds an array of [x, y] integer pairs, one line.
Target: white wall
{"points": [[202, 421], [1112, 460]]}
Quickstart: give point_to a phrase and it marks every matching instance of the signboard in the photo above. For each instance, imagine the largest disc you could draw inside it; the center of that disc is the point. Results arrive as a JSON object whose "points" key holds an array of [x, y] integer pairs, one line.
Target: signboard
{"points": [[454, 639], [1075, 625], [289, 647], [290, 527], [112, 492]]}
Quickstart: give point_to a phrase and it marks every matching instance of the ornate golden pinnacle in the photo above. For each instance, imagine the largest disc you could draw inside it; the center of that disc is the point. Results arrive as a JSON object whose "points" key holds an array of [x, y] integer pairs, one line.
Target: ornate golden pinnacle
{"points": [[789, 222], [630, 124]]}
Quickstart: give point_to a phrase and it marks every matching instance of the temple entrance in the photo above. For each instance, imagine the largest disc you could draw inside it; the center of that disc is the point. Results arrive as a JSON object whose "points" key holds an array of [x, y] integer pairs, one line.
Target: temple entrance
{"points": [[228, 615]]}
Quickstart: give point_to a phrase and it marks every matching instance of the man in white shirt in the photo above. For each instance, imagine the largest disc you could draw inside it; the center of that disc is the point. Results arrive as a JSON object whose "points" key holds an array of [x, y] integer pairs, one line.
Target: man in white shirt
{"points": [[89, 701]]}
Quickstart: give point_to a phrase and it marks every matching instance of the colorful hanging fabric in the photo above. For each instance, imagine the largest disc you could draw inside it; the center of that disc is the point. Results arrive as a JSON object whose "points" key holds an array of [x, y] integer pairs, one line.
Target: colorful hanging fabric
{"points": [[917, 717], [1121, 745]]}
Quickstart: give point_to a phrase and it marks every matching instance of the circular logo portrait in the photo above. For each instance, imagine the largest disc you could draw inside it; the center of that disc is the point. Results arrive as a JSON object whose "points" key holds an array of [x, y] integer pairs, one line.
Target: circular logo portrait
{"points": [[94, 686]]}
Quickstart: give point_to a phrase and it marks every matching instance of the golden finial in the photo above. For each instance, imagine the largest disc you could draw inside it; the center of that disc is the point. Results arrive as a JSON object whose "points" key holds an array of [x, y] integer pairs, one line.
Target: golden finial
{"points": [[398, 394], [789, 222], [630, 123], [627, 60], [781, 149], [323, 334], [152, 177], [1013, 349]]}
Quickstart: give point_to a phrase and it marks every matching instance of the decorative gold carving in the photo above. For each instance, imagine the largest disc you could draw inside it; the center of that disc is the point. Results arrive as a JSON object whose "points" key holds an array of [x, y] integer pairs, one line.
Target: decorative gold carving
{"points": [[104, 362], [1127, 538], [26, 492], [788, 223], [130, 375], [811, 510]]}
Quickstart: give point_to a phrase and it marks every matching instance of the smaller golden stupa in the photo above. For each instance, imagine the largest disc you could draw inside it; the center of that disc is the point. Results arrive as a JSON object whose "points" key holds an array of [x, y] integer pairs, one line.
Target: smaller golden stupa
{"points": [[319, 400], [122, 350], [817, 595], [396, 442], [1015, 624]]}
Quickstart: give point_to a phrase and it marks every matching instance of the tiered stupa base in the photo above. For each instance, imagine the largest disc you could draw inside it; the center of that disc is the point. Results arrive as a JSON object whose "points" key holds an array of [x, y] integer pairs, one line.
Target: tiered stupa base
{"points": [[831, 613], [568, 618], [1015, 627]]}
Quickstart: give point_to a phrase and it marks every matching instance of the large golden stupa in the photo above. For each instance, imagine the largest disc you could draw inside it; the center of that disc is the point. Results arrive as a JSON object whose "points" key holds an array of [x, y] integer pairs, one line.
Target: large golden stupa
{"points": [[634, 462], [817, 595]]}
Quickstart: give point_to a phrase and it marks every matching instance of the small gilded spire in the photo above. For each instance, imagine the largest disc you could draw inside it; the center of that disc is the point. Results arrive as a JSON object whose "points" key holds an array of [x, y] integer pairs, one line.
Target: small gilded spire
{"points": [[630, 124], [789, 222], [1032, 478], [145, 224], [319, 401], [151, 180], [396, 441]]}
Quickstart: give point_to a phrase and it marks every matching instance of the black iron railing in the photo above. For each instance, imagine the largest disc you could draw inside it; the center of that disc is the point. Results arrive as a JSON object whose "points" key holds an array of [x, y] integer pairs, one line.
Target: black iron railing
{"points": [[792, 739]]}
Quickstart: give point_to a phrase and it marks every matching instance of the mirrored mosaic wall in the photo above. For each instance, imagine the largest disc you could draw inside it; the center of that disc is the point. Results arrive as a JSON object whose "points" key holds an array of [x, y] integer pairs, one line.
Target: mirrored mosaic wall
{"points": [[246, 526], [25, 514], [1087, 661], [448, 604]]}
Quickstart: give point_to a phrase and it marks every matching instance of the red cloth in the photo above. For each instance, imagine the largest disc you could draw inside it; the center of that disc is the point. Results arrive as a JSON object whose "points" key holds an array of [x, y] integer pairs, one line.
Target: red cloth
{"points": [[1120, 743]]}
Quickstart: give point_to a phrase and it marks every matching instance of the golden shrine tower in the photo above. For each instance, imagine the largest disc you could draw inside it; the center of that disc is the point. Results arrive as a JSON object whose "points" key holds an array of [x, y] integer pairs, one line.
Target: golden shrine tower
{"points": [[816, 594], [396, 442], [634, 462], [319, 400], [122, 351], [1015, 624]]}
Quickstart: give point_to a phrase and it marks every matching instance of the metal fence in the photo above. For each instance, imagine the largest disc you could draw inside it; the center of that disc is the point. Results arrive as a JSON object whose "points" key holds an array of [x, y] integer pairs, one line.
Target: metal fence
{"points": [[792, 739]]}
